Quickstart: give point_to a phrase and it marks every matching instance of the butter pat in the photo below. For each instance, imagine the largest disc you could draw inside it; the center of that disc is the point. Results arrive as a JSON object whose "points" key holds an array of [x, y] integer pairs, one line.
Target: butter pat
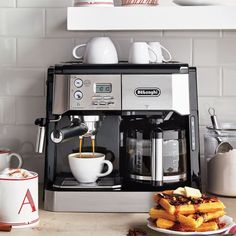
{"points": [[180, 191], [192, 192]]}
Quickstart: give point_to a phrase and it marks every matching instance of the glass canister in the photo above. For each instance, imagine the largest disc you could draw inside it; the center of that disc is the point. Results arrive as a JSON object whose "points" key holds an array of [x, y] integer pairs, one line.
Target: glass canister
{"points": [[220, 161]]}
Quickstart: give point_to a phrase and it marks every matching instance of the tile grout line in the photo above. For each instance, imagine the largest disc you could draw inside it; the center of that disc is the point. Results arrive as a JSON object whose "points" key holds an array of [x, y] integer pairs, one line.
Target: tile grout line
{"points": [[192, 51], [44, 23], [221, 82]]}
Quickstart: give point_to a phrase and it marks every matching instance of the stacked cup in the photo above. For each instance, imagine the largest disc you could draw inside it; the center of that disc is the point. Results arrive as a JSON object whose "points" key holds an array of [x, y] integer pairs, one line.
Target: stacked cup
{"points": [[145, 53]]}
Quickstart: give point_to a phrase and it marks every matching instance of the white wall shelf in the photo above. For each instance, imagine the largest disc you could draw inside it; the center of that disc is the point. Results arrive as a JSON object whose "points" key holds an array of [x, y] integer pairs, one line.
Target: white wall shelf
{"points": [[151, 18]]}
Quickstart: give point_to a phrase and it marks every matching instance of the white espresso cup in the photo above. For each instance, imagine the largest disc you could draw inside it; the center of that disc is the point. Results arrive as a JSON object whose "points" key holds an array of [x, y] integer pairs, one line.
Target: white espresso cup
{"points": [[98, 50], [19, 200], [139, 53], [157, 48], [87, 169], [5, 159]]}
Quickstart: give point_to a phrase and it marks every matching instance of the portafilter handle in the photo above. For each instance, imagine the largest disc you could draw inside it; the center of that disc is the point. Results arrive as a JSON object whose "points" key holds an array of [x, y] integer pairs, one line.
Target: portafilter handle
{"points": [[41, 123], [64, 134], [92, 122]]}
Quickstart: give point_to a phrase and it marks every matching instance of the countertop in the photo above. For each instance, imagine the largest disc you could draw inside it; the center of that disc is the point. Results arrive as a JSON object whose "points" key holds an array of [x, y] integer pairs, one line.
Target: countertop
{"points": [[96, 224]]}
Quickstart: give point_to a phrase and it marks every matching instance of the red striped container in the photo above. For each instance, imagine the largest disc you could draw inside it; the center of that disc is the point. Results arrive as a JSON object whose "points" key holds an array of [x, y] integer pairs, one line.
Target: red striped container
{"points": [[19, 201], [139, 2]]}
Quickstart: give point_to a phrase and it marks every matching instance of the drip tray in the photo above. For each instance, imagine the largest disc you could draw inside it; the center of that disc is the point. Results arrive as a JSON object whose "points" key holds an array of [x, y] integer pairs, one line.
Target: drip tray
{"points": [[103, 183]]}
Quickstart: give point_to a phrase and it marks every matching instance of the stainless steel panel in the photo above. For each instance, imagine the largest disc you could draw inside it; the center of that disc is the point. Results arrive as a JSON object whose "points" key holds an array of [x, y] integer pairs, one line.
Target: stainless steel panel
{"points": [[60, 94], [98, 201], [156, 92], [166, 179], [84, 95]]}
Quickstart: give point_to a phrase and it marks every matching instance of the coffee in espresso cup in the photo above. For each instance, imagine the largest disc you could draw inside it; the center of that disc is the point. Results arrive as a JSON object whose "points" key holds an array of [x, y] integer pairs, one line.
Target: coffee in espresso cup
{"points": [[87, 167]]}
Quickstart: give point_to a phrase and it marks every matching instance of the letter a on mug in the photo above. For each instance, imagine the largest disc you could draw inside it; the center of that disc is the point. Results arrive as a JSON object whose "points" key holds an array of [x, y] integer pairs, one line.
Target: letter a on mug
{"points": [[30, 201]]}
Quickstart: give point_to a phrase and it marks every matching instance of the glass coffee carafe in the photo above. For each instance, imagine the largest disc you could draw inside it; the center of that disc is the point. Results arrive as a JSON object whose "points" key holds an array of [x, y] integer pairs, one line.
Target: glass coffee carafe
{"points": [[171, 146]]}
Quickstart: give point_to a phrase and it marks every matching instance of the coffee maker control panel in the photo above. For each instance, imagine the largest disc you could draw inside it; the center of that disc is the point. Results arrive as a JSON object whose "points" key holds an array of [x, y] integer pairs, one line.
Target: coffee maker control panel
{"points": [[95, 92]]}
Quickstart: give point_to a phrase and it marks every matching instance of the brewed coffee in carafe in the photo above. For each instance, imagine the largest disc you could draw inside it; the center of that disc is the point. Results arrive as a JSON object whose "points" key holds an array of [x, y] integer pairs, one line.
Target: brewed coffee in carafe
{"points": [[139, 152]]}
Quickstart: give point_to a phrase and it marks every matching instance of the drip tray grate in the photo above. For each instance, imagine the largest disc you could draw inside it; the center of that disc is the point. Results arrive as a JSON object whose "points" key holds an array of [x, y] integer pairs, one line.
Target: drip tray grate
{"points": [[103, 183]]}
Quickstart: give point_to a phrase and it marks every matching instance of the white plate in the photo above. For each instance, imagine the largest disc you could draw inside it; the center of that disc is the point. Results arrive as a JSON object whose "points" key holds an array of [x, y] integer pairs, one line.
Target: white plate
{"points": [[224, 219], [198, 2]]}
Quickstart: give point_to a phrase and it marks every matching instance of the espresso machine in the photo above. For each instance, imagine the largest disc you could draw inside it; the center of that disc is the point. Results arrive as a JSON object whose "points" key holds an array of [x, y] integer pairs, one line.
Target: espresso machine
{"points": [[146, 116]]}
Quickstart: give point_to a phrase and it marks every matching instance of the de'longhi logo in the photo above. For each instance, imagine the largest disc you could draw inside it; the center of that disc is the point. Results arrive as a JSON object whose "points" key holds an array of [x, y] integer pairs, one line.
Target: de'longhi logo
{"points": [[147, 92]]}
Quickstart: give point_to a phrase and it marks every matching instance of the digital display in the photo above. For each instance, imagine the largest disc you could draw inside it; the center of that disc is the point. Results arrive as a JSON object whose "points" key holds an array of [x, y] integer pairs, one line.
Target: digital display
{"points": [[103, 88]]}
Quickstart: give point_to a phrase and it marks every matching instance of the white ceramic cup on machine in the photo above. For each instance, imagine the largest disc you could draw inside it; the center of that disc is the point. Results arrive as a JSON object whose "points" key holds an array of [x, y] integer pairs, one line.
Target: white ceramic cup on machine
{"points": [[87, 167], [157, 48], [5, 158], [98, 50], [139, 53]]}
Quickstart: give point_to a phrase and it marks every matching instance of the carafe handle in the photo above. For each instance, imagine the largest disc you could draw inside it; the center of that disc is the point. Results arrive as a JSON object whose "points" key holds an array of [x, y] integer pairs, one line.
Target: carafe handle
{"points": [[157, 158]]}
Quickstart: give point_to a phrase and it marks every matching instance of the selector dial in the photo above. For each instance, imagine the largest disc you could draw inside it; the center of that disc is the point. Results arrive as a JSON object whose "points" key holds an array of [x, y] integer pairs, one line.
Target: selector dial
{"points": [[78, 95], [78, 83]]}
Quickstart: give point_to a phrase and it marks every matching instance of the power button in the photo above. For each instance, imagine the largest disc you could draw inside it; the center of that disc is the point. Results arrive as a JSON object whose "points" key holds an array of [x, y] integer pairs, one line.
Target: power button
{"points": [[78, 95]]}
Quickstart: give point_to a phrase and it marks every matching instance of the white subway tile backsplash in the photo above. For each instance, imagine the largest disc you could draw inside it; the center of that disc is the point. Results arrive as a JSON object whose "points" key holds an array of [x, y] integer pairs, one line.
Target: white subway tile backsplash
{"points": [[212, 52], [22, 82], [209, 76], [7, 51], [56, 23], [19, 138], [147, 36], [56, 26], [7, 3], [45, 3], [191, 33], [34, 163], [22, 139], [229, 33], [22, 22], [224, 107], [7, 110], [229, 81], [29, 108], [180, 48], [43, 52]]}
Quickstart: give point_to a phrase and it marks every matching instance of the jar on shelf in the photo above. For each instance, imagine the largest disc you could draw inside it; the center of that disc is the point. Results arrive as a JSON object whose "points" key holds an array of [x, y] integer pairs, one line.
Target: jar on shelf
{"points": [[220, 163]]}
